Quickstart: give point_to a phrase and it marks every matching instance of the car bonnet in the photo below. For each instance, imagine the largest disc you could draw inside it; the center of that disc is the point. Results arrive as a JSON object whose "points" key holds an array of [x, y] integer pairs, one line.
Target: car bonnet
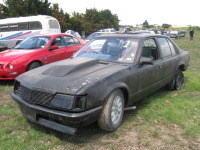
{"points": [[68, 76]]}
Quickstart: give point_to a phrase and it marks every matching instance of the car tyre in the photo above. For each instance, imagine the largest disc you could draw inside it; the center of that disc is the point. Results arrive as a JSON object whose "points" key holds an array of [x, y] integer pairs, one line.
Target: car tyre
{"points": [[111, 117], [33, 65], [171, 85], [177, 82]]}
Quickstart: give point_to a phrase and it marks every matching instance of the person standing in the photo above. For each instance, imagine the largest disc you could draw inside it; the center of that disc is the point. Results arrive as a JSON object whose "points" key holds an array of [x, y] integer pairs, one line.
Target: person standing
{"points": [[191, 34]]}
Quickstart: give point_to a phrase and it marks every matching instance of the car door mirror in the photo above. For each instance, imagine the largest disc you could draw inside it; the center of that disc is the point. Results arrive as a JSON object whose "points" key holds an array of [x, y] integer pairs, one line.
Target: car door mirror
{"points": [[54, 47], [146, 60]]}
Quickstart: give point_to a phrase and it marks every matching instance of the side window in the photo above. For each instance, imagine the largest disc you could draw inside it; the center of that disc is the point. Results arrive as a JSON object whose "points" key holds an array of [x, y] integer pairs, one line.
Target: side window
{"points": [[4, 28], [13, 27], [35, 25], [23, 26], [150, 49], [58, 41], [172, 47], [165, 49], [69, 40], [76, 41]]}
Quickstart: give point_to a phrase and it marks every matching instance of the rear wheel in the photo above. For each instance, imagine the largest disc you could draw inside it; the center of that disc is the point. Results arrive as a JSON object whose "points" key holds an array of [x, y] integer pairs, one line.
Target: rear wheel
{"points": [[33, 65], [177, 82], [113, 110]]}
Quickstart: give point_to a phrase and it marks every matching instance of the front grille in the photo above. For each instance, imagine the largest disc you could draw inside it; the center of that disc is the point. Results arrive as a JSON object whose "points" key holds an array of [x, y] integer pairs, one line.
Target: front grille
{"points": [[36, 97]]}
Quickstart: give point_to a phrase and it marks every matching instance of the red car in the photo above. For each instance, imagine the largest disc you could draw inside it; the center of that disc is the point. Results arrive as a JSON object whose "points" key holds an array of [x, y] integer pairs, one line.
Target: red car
{"points": [[37, 51]]}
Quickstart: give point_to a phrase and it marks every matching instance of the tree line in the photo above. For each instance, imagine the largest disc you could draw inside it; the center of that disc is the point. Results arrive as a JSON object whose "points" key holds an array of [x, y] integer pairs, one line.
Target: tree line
{"points": [[90, 21]]}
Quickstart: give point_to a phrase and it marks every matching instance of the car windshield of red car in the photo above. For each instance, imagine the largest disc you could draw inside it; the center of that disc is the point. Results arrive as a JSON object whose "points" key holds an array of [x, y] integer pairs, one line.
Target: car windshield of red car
{"points": [[38, 42], [111, 49]]}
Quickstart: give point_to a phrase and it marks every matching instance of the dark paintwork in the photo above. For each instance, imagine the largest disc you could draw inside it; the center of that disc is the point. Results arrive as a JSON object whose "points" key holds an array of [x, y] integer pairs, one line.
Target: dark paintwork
{"points": [[96, 79]]}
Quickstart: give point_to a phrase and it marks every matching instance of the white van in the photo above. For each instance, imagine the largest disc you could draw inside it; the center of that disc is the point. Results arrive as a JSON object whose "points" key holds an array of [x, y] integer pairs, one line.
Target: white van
{"points": [[19, 28]]}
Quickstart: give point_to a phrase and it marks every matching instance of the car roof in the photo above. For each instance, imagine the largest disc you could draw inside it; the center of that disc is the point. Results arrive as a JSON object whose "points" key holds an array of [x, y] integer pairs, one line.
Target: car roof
{"points": [[132, 35], [53, 34]]}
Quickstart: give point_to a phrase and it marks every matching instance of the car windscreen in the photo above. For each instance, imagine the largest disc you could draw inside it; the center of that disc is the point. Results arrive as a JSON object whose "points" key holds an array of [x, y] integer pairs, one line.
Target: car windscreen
{"points": [[37, 42], [111, 49]]}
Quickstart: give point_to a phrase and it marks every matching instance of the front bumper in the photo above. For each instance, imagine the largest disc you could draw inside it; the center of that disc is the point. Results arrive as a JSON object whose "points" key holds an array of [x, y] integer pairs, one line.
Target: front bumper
{"points": [[66, 122], [10, 75]]}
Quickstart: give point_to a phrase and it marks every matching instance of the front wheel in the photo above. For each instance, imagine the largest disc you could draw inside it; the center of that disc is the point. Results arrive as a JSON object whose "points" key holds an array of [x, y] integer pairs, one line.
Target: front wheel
{"points": [[113, 110], [33, 65]]}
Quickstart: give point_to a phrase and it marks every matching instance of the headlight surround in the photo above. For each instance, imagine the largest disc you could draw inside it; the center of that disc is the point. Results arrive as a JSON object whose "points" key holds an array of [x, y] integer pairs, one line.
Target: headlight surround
{"points": [[80, 103], [17, 87], [8, 66], [68, 102]]}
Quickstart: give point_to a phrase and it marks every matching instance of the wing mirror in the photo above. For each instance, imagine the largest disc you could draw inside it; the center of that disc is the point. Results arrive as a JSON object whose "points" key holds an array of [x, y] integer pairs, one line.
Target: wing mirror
{"points": [[54, 47], [146, 60]]}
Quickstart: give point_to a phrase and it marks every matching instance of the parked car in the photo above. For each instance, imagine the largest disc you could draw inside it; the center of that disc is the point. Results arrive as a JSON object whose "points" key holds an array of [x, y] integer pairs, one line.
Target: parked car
{"points": [[37, 51], [72, 32], [182, 33], [176, 34], [3, 47], [105, 77], [110, 30], [96, 34], [143, 31]]}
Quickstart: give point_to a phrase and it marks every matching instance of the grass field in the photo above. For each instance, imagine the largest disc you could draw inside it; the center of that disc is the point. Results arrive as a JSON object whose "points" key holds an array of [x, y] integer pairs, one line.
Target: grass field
{"points": [[166, 120]]}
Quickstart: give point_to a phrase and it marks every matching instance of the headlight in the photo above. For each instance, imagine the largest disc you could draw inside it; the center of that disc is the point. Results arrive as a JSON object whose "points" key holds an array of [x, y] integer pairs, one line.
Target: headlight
{"points": [[62, 101], [10, 66], [68, 102]]}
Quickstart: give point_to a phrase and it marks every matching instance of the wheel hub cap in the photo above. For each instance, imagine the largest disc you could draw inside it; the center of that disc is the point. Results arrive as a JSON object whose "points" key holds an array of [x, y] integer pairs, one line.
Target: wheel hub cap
{"points": [[116, 111]]}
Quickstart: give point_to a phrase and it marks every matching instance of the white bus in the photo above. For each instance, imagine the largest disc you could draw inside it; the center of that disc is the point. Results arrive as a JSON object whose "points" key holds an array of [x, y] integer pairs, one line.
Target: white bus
{"points": [[19, 28]]}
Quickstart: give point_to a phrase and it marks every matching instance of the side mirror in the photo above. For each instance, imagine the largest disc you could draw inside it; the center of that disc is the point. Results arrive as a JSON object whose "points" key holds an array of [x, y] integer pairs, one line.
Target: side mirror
{"points": [[146, 61], [54, 47]]}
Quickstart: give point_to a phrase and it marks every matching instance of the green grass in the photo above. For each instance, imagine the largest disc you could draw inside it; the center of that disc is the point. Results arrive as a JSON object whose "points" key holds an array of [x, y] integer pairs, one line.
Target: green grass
{"points": [[165, 120]]}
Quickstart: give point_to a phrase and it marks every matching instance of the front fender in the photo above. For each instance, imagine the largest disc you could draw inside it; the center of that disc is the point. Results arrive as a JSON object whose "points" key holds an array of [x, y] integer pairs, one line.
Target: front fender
{"points": [[118, 85]]}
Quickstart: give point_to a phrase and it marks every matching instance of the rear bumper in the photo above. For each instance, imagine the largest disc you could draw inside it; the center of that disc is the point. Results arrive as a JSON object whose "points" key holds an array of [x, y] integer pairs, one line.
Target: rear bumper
{"points": [[66, 122]]}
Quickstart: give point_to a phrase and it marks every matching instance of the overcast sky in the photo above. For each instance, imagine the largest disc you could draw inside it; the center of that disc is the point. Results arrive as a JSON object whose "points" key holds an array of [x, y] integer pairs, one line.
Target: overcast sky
{"points": [[132, 12]]}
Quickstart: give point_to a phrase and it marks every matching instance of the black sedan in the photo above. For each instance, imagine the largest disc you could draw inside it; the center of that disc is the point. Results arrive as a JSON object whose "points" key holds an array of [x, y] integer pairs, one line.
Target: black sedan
{"points": [[106, 76]]}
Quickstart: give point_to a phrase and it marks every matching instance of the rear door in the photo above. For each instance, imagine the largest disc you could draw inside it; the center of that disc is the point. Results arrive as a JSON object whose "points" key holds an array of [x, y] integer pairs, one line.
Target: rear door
{"points": [[72, 45], [169, 58]]}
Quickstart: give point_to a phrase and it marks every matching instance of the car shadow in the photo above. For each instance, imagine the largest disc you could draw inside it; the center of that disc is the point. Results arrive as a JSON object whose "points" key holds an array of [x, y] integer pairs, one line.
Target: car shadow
{"points": [[83, 134], [87, 133], [7, 82], [146, 100]]}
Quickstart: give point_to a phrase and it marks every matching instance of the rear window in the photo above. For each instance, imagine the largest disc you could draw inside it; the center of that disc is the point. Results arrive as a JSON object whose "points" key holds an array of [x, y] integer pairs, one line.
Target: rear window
{"points": [[53, 24], [165, 49]]}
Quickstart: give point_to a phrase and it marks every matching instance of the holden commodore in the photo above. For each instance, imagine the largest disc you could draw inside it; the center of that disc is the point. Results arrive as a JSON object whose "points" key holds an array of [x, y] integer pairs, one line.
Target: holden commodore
{"points": [[105, 77], [37, 51]]}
